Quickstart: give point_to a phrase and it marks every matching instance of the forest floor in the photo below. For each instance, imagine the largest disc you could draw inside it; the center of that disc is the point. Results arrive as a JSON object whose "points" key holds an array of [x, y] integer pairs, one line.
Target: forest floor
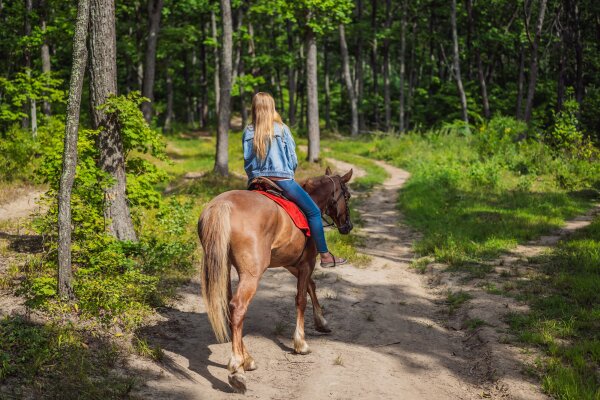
{"points": [[394, 331], [401, 325]]}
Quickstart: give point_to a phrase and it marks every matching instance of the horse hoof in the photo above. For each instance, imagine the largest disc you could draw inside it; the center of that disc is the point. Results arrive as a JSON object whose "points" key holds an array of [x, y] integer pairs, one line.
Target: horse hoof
{"points": [[302, 349], [250, 365], [238, 382], [322, 329]]}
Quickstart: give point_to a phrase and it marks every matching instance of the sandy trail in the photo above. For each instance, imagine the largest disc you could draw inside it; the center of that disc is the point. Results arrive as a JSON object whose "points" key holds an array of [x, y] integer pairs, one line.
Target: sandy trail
{"points": [[390, 335]]}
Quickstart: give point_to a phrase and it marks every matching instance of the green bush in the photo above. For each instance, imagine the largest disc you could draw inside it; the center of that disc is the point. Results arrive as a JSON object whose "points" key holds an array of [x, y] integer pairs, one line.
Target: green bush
{"points": [[114, 281]]}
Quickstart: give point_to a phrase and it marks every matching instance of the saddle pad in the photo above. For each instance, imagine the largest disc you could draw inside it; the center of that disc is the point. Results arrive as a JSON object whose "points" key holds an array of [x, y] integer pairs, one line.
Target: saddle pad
{"points": [[292, 209]]}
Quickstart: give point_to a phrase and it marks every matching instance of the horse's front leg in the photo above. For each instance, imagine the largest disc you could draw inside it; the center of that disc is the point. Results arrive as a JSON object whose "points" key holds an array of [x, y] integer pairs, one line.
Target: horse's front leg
{"points": [[300, 345]]}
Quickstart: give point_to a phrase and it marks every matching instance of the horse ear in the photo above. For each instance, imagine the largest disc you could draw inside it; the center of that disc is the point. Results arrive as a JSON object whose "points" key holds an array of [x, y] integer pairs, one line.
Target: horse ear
{"points": [[347, 176], [328, 171]]}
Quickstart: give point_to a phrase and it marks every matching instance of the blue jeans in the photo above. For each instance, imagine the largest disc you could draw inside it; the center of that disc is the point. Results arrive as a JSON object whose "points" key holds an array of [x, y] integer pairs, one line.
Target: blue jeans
{"points": [[295, 193]]}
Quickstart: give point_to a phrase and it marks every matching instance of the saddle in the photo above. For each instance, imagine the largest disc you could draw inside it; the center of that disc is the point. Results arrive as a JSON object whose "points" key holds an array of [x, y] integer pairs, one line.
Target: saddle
{"points": [[272, 190], [266, 185]]}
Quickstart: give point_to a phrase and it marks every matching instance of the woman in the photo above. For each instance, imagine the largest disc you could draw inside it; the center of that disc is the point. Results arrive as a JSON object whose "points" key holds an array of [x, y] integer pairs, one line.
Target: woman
{"points": [[270, 151]]}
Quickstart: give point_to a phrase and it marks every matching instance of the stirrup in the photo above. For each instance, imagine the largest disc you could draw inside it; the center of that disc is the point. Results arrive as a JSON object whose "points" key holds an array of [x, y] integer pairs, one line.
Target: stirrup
{"points": [[334, 263]]}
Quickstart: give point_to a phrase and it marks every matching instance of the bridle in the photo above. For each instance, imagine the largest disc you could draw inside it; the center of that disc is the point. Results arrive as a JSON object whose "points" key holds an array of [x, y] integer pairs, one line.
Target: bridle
{"points": [[334, 203]]}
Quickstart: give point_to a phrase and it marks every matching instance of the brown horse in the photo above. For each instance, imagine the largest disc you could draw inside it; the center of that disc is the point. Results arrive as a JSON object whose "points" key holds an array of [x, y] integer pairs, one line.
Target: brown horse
{"points": [[252, 233]]}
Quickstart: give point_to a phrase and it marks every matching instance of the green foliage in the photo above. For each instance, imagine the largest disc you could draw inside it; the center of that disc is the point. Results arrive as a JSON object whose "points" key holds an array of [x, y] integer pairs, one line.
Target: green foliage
{"points": [[114, 281], [565, 135], [473, 197], [565, 316], [54, 361], [26, 86]]}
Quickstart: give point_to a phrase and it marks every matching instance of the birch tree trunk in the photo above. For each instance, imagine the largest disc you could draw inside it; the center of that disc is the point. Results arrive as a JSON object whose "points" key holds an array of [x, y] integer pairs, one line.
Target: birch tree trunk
{"points": [[459, 84], [401, 110], [45, 53], [154, 12], [65, 287], [222, 158], [327, 88], [169, 88], [533, 67], [386, 68], [103, 83], [32, 102], [213, 25], [312, 117], [348, 81], [292, 78]]}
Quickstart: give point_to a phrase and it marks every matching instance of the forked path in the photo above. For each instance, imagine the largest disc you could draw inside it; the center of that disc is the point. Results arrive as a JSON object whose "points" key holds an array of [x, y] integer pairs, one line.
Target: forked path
{"points": [[389, 337]]}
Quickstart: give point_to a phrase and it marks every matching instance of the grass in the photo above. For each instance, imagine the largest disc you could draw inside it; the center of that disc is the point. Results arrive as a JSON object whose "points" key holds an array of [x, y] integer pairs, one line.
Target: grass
{"points": [[471, 206], [339, 361], [58, 361], [455, 300], [564, 320]]}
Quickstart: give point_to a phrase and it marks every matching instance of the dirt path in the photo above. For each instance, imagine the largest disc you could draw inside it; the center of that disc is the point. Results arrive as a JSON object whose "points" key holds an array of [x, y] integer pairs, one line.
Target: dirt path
{"points": [[20, 207], [390, 331]]}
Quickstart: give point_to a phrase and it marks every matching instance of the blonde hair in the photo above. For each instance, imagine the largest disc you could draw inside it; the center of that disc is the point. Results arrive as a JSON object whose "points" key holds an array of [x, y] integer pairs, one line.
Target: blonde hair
{"points": [[263, 118]]}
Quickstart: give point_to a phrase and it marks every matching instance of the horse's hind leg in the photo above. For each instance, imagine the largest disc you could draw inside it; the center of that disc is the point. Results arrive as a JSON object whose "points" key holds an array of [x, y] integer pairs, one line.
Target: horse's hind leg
{"points": [[240, 359], [300, 345], [249, 363], [320, 321]]}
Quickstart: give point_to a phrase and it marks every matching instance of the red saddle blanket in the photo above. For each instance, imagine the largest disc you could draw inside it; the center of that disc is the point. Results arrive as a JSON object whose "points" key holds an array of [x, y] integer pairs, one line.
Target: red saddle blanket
{"points": [[292, 209]]}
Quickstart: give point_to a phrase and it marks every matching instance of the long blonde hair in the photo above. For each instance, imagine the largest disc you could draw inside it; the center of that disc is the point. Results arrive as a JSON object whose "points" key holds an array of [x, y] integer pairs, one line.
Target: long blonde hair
{"points": [[264, 116]]}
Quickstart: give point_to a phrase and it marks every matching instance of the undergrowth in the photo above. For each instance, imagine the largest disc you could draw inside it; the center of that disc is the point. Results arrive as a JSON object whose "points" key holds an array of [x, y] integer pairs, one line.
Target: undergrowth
{"points": [[564, 320]]}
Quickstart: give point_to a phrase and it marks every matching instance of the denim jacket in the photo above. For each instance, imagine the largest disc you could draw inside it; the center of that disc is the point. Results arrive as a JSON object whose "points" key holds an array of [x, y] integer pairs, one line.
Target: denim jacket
{"points": [[281, 160]]}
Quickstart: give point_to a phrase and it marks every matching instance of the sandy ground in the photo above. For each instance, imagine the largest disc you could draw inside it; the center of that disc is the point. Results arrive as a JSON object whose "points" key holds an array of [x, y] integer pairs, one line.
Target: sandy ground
{"points": [[391, 336], [20, 207]]}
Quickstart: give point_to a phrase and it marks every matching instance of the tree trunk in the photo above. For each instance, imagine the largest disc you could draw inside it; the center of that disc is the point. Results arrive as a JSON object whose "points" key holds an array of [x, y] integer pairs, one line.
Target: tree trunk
{"points": [[374, 66], [213, 24], [203, 111], [222, 158], [348, 81], [327, 88], [312, 97], [386, 68], [45, 53], [358, 70], [402, 65], [154, 12], [103, 83], [65, 287], [520, 83], [32, 102], [579, 83], [482, 84], [533, 67], [292, 77], [169, 88], [461, 90]]}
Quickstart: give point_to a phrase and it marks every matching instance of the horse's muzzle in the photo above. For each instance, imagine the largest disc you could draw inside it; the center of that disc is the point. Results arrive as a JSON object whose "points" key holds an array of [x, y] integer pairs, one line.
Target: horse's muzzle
{"points": [[346, 228]]}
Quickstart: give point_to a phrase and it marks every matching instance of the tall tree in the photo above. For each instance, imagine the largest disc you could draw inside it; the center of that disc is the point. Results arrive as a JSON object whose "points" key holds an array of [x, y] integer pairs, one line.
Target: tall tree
{"points": [[222, 158], [103, 83], [154, 13], [65, 288], [45, 50], [32, 102], [533, 66], [213, 26], [401, 111], [456, 60], [348, 81], [312, 97]]}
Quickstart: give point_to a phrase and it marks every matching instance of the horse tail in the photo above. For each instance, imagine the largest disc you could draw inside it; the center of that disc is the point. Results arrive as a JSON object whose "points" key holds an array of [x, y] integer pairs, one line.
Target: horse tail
{"points": [[214, 228]]}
